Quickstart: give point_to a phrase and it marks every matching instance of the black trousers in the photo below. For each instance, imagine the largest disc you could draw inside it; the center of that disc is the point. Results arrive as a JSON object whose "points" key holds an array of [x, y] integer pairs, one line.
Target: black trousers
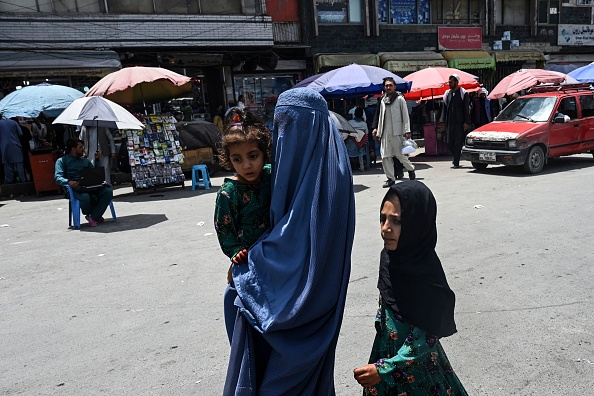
{"points": [[455, 141]]}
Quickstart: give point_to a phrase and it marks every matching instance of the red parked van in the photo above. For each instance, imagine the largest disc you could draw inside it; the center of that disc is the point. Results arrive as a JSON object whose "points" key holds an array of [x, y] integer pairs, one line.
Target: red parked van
{"points": [[553, 122]]}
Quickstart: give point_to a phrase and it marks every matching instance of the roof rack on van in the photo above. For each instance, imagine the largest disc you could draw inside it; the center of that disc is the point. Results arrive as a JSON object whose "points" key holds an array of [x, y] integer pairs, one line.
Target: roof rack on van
{"points": [[560, 88]]}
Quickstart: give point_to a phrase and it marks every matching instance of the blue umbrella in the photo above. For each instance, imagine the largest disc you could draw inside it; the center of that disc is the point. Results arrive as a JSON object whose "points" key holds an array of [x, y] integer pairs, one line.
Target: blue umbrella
{"points": [[583, 74], [42, 98], [352, 81]]}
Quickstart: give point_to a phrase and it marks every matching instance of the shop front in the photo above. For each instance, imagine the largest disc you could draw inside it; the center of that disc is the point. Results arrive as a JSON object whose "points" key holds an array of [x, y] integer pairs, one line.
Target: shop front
{"points": [[327, 62], [479, 63], [566, 63], [261, 89], [75, 69], [403, 63], [508, 62]]}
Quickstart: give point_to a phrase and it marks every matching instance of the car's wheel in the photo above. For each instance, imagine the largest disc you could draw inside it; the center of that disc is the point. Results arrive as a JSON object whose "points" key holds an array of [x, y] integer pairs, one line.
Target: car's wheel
{"points": [[479, 165], [535, 161], [592, 152]]}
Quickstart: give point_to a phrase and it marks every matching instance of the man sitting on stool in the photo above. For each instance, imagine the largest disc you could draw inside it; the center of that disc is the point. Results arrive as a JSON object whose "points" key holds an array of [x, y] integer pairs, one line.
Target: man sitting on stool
{"points": [[92, 204]]}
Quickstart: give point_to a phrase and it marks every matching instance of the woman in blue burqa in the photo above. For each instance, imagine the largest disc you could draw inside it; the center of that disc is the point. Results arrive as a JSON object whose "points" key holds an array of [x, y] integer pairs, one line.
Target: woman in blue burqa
{"points": [[292, 291]]}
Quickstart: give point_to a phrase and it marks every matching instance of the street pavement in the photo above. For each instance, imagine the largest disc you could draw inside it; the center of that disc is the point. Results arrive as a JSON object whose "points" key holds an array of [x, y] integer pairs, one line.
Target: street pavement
{"points": [[135, 307]]}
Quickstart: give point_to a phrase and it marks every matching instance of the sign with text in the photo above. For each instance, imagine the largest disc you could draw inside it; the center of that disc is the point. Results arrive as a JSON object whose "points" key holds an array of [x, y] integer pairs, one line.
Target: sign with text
{"points": [[576, 35], [460, 38]]}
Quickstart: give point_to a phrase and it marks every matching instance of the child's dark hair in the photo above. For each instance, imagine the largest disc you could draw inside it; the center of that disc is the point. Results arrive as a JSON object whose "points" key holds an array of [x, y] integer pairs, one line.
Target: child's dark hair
{"points": [[241, 126]]}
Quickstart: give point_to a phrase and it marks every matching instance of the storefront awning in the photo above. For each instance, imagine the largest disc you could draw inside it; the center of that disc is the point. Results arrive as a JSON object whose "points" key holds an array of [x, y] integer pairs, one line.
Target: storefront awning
{"points": [[338, 60], [469, 59], [411, 61], [57, 63], [576, 59], [518, 56]]}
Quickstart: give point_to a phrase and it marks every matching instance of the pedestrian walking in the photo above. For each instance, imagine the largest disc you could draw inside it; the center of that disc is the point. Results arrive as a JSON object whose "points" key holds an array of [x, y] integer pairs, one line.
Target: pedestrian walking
{"points": [[482, 111], [292, 290], [392, 125], [416, 305], [456, 117]]}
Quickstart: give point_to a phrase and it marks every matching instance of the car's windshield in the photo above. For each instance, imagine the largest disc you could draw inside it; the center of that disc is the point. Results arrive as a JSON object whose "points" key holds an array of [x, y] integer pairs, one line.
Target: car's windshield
{"points": [[528, 109]]}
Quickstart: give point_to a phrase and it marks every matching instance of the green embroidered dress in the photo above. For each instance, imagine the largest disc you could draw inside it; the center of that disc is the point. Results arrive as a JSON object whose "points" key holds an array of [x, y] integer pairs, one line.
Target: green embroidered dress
{"points": [[410, 361], [242, 213]]}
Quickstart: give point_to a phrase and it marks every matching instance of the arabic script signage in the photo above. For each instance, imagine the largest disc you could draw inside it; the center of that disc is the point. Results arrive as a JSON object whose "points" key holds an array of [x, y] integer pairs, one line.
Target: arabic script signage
{"points": [[575, 35], [459, 38]]}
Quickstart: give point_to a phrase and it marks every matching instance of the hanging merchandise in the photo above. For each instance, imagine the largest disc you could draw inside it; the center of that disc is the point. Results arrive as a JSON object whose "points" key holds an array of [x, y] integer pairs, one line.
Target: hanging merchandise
{"points": [[155, 154]]}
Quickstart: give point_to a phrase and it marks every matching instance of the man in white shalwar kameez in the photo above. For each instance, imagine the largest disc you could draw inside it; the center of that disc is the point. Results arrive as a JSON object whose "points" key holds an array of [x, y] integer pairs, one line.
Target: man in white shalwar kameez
{"points": [[105, 147], [392, 125]]}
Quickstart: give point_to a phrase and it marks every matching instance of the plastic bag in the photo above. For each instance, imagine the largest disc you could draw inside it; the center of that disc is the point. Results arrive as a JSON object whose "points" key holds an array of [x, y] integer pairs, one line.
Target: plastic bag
{"points": [[409, 146]]}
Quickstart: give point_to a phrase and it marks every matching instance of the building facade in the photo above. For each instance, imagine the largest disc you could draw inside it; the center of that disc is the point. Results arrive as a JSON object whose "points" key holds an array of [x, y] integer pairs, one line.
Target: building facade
{"points": [[76, 42], [259, 48]]}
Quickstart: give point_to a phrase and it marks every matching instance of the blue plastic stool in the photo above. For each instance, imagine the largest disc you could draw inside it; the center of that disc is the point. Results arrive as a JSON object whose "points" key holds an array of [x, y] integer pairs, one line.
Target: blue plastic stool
{"points": [[204, 180], [74, 209]]}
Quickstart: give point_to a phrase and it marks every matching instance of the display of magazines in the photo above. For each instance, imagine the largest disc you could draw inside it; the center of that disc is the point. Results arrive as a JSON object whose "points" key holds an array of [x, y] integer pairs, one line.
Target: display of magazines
{"points": [[155, 154]]}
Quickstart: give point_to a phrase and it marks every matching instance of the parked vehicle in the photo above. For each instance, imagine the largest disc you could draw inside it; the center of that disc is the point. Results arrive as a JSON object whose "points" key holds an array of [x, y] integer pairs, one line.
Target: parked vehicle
{"points": [[553, 122]]}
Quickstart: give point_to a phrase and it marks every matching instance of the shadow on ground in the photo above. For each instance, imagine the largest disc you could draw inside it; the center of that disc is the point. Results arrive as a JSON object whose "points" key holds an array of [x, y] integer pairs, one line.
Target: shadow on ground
{"points": [[554, 165], [162, 194], [126, 223]]}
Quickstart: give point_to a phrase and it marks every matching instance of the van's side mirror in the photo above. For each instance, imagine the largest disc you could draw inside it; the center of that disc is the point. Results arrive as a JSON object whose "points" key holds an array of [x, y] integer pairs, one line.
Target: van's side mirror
{"points": [[559, 119]]}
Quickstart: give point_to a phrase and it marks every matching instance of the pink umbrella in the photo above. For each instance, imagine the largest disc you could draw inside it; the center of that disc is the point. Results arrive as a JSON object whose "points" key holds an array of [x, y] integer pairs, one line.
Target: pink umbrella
{"points": [[527, 78], [138, 84], [432, 82]]}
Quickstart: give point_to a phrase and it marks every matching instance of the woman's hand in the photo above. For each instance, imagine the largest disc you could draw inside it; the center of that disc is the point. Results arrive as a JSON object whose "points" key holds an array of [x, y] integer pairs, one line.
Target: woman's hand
{"points": [[240, 257], [367, 376]]}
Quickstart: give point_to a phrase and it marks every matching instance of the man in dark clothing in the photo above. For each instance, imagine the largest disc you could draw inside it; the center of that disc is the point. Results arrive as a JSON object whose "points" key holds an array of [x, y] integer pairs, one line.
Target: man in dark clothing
{"points": [[11, 151], [456, 117], [482, 111], [68, 167]]}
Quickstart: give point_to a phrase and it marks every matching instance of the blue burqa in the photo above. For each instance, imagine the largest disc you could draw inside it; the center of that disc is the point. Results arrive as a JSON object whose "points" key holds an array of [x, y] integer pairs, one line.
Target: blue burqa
{"points": [[292, 291]]}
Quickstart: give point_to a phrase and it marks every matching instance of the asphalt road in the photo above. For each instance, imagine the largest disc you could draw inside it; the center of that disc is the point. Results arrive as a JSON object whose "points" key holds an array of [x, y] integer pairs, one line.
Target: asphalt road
{"points": [[135, 307]]}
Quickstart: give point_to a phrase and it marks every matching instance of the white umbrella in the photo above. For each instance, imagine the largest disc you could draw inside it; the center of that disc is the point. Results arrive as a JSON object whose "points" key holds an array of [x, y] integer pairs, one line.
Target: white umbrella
{"points": [[98, 112], [341, 123]]}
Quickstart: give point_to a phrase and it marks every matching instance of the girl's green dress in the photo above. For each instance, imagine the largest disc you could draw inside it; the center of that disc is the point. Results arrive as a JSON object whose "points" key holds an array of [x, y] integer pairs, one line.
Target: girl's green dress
{"points": [[410, 361]]}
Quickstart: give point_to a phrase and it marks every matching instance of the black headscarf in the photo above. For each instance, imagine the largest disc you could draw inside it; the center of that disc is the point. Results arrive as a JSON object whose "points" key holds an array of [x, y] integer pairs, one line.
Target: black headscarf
{"points": [[411, 278]]}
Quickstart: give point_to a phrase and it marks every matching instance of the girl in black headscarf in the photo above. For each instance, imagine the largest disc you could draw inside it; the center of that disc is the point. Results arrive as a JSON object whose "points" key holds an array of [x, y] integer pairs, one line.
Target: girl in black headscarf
{"points": [[416, 304]]}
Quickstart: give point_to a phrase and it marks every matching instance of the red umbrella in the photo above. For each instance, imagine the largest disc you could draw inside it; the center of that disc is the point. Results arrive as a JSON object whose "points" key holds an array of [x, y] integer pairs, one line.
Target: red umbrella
{"points": [[138, 84], [432, 82], [527, 78]]}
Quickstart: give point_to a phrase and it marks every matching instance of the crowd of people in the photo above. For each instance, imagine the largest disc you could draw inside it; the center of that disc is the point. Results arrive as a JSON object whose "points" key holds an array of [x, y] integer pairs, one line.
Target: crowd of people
{"points": [[18, 137], [390, 120]]}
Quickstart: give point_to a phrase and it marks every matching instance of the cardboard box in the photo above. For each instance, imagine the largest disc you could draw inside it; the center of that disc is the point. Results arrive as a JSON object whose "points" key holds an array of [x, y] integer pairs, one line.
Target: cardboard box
{"points": [[197, 156]]}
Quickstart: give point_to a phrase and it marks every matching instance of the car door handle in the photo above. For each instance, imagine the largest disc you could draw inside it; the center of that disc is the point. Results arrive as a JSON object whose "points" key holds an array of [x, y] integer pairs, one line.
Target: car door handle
{"points": [[576, 125]]}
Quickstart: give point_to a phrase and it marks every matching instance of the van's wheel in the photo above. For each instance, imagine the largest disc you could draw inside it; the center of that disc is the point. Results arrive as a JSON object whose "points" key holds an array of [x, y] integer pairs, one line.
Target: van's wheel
{"points": [[592, 152], [535, 161], [479, 165]]}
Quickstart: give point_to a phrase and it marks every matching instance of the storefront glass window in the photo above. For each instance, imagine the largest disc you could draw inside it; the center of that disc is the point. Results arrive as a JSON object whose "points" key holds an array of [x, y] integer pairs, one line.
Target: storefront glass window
{"points": [[465, 12], [404, 12], [261, 93], [341, 11]]}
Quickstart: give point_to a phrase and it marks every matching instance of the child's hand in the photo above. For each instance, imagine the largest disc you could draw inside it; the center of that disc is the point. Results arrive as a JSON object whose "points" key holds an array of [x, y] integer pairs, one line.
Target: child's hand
{"points": [[367, 376], [240, 257]]}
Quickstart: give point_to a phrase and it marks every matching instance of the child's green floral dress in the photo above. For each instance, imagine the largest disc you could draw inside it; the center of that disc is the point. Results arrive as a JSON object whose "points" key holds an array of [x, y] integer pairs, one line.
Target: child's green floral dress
{"points": [[242, 212], [410, 361]]}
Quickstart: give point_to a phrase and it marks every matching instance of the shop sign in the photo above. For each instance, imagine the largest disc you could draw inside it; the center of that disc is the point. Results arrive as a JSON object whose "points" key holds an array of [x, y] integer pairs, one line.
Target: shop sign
{"points": [[575, 35], [459, 38]]}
